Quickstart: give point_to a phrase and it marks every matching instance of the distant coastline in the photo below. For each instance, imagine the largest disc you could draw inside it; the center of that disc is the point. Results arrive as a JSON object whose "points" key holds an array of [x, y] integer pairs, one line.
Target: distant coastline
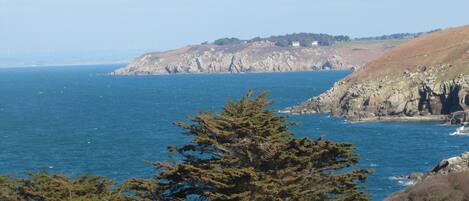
{"points": [[65, 65]]}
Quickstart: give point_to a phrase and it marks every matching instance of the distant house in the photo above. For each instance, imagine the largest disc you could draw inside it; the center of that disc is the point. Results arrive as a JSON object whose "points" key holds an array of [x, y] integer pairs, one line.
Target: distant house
{"points": [[315, 43], [295, 43]]}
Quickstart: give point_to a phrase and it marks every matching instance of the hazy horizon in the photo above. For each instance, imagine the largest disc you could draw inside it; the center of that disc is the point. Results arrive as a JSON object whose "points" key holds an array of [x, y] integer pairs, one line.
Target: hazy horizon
{"points": [[52, 27]]}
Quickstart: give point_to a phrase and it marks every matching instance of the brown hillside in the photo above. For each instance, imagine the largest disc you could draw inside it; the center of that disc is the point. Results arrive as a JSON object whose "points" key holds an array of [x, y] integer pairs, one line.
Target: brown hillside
{"points": [[450, 46], [451, 187]]}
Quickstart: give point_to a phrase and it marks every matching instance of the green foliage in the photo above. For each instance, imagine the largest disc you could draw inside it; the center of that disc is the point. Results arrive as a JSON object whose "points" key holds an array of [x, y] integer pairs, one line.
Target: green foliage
{"points": [[398, 36], [227, 41], [305, 39], [43, 186], [246, 152]]}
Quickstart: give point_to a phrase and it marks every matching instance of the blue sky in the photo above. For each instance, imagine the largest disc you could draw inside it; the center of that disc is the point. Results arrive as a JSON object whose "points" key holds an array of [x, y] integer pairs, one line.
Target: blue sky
{"points": [[50, 26]]}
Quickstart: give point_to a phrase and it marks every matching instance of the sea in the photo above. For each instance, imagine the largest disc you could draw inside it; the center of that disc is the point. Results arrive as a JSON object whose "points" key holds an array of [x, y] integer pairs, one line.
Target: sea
{"points": [[79, 119]]}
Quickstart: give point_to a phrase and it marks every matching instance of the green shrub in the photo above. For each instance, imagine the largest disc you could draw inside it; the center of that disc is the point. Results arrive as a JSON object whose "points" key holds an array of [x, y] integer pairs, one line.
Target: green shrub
{"points": [[43, 186]]}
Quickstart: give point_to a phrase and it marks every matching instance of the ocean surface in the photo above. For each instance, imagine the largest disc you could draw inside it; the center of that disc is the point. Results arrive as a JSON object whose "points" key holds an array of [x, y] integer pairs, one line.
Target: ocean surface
{"points": [[79, 120]]}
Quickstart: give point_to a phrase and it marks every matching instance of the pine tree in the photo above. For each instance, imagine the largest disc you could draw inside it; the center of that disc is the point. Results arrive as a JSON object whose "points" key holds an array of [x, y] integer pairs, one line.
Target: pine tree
{"points": [[246, 152]]}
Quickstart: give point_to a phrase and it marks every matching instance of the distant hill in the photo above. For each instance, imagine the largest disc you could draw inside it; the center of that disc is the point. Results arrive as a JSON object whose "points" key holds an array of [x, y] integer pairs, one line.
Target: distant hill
{"points": [[283, 53], [424, 78]]}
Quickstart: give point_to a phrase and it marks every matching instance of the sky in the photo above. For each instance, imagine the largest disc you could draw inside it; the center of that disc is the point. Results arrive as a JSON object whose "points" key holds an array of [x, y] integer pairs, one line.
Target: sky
{"points": [[57, 26]]}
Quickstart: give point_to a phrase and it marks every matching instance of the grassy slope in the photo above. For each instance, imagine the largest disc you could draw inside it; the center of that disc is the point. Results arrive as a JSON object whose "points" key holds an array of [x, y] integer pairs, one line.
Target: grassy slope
{"points": [[450, 46], [369, 44]]}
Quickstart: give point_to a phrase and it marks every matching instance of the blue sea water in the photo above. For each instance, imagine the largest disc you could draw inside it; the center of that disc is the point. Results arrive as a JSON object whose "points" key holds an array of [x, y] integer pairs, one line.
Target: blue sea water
{"points": [[78, 120]]}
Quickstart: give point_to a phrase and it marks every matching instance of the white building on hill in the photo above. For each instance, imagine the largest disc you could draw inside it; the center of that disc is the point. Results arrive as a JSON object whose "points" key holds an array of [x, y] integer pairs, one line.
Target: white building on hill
{"points": [[295, 43]]}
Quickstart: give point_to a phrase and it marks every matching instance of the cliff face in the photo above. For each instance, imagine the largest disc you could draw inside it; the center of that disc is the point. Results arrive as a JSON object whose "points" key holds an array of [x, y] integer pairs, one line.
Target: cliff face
{"points": [[251, 57], [423, 78]]}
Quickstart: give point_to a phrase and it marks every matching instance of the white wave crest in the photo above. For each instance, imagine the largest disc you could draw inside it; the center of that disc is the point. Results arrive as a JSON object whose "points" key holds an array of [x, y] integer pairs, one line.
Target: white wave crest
{"points": [[403, 180], [461, 131]]}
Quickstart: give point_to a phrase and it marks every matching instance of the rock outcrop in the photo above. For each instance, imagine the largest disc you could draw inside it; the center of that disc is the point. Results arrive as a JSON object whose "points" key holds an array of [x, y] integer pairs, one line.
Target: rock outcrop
{"points": [[425, 78], [251, 57], [447, 166], [448, 180], [451, 165], [459, 117]]}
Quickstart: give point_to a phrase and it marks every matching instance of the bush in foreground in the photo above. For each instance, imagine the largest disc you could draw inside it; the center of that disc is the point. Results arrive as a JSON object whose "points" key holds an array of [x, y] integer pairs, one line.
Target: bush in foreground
{"points": [[43, 186]]}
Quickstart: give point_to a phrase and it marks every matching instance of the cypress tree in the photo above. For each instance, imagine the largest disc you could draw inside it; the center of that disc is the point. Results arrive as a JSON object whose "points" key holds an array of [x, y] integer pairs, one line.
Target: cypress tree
{"points": [[246, 152]]}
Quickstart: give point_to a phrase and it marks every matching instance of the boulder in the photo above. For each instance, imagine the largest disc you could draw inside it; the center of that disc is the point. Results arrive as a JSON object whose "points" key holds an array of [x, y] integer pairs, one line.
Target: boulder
{"points": [[459, 117], [453, 164]]}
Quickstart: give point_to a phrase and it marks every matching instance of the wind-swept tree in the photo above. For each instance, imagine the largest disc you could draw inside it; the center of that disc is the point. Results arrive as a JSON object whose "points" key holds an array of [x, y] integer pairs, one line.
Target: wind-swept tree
{"points": [[246, 152]]}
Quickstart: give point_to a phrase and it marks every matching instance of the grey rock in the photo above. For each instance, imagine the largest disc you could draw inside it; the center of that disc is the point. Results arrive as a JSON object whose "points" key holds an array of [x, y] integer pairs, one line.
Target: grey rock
{"points": [[248, 57], [451, 165], [447, 166], [417, 94]]}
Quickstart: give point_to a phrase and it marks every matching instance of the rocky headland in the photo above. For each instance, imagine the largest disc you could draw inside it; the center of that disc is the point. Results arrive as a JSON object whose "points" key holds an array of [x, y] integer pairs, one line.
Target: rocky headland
{"points": [[260, 56], [425, 78]]}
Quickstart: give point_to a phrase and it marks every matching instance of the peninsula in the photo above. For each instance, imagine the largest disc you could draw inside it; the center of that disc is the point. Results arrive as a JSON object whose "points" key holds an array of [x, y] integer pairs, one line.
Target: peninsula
{"points": [[287, 53]]}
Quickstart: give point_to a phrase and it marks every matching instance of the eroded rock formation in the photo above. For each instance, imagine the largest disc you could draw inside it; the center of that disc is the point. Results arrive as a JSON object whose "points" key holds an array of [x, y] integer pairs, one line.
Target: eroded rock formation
{"points": [[413, 94], [251, 57]]}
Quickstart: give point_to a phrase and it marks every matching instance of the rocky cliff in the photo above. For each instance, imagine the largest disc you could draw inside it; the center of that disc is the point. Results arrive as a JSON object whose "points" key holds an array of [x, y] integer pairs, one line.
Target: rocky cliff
{"points": [[253, 57], [424, 78]]}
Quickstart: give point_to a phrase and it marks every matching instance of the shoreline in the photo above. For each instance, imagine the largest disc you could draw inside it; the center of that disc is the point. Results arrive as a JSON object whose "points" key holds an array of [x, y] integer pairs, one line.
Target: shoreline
{"points": [[224, 73], [436, 118], [440, 118], [61, 65]]}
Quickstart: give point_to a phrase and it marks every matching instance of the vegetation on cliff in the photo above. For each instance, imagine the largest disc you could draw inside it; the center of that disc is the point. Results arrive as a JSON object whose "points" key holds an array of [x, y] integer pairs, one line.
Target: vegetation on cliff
{"points": [[245, 152], [266, 54], [260, 56], [305, 39], [397, 36]]}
